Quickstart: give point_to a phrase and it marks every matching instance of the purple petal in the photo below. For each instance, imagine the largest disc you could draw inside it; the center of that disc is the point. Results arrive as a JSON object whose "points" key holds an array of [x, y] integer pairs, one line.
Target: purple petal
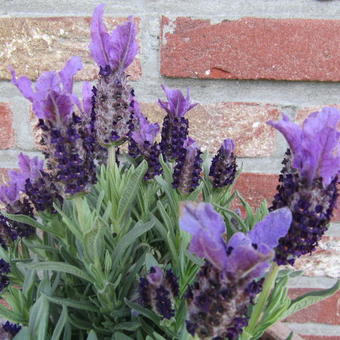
{"points": [[66, 75], [291, 131], [207, 228], [245, 261], [99, 36], [87, 97], [228, 145], [146, 132], [24, 85], [321, 145], [191, 146], [239, 239], [122, 46], [177, 105], [9, 193], [274, 226], [156, 275]]}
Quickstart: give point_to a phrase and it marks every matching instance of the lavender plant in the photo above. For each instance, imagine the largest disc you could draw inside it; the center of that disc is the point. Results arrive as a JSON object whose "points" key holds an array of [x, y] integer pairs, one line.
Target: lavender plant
{"points": [[97, 244]]}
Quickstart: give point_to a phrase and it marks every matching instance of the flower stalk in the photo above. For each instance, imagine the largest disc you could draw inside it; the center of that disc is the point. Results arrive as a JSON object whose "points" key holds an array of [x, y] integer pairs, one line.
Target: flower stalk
{"points": [[263, 298]]}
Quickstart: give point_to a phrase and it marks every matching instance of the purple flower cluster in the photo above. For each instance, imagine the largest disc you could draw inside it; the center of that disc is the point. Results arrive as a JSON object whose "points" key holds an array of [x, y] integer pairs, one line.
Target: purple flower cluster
{"points": [[308, 181], [158, 290], [68, 159], [114, 97], [228, 282], [188, 168], [175, 125], [27, 189], [4, 270], [142, 143], [11, 328], [223, 166]]}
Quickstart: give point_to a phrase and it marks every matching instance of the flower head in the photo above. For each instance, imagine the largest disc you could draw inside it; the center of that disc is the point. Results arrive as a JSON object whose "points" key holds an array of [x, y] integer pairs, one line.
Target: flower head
{"points": [[187, 171], [114, 51], [315, 146], [52, 98], [175, 125], [223, 166], [158, 290], [228, 281]]}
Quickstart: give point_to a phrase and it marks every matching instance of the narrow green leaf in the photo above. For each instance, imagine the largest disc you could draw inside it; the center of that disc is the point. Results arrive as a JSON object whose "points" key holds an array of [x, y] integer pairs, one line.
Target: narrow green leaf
{"points": [[130, 326], [38, 322], [290, 336], [308, 299], [59, 267], [130, 191], [59, 327], [145, 312], [11, 315], [31, 222], [92, 335], [82, 305], [121, 336], [23, 334], [128, 239]]}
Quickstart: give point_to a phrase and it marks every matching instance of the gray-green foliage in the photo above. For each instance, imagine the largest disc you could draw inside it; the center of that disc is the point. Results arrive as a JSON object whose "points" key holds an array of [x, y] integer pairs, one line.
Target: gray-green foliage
{"points": [[77, 278]]}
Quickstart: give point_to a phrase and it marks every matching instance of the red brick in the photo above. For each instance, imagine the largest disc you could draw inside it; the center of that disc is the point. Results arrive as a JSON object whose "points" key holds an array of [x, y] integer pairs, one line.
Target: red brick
{"points": [[244, 122], [6, 127], [320, 337], [324, 261], [251, 48], [34, 45], [256, 187], [325, 312]]}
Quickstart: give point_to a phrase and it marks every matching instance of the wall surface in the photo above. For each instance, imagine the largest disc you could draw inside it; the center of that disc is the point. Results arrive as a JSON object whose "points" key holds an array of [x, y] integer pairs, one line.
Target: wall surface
{"points": [[245, 61]]}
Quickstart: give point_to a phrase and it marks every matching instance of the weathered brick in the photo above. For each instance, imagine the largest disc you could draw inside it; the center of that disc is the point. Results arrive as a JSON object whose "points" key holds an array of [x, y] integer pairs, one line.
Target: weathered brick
{"points": [[256, 187], [251, 48], [326, 311], [34, 45], [7, 139], [325, 261], [244, 122]]}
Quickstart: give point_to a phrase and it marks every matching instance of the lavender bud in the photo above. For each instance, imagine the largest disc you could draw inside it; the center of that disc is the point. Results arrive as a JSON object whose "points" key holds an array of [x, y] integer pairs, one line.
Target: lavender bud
{"points": [[157, 291], [223, 166], [11, 329], [187, 171]]}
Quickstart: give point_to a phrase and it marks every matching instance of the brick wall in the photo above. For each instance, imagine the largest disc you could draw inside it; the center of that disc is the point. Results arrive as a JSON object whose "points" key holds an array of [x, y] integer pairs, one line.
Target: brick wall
{"points": [[245, 62]]}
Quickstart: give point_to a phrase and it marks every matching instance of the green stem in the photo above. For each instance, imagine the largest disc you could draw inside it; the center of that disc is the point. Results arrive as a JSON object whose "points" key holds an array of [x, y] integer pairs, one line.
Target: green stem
{"points": [[112, 156], [263, 299]]}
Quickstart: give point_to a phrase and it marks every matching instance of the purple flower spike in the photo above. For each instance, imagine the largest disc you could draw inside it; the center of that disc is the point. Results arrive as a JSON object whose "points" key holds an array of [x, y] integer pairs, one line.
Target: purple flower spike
{"points": [[223, 166], [315, 145], [142, 143], [187, 171], [308, 181], [207, 228], [226, 284], [175, 125], [114, 51], [158, 290]]}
